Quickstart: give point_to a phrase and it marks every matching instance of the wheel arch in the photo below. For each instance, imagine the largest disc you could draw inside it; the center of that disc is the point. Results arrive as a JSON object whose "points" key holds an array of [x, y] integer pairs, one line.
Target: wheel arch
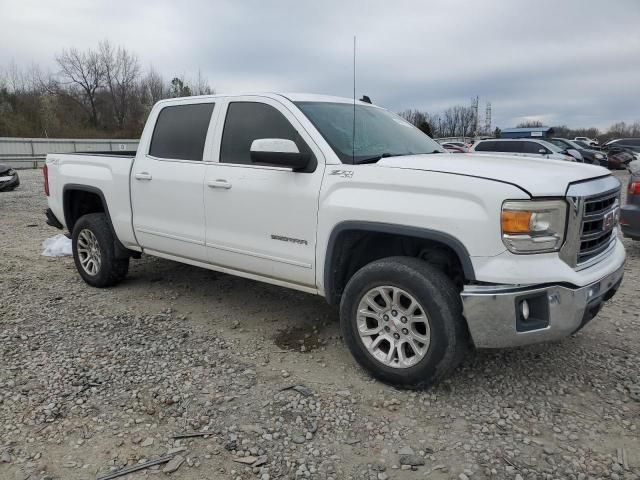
{"points": [[347, 234], [94, 202]]}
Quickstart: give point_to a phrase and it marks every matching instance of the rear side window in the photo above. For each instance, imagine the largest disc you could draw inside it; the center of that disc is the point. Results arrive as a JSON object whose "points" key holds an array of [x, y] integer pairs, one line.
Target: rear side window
{"points": [[533, 147], [248, 121], [485, 147], [181, 131]]}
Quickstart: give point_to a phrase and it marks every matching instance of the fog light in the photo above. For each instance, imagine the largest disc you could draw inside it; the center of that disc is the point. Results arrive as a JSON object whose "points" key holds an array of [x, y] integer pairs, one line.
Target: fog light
{"points": [[525, 309], [532, 311]]}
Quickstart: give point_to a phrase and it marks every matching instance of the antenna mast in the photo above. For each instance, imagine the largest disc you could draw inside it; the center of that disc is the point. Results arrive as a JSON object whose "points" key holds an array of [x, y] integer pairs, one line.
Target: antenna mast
{"points": [[353, 139]]}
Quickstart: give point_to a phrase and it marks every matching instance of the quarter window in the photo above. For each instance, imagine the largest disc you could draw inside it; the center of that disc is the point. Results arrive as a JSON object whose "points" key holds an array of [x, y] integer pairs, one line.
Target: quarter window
{"points": [[248, 121], [181, 131], [533, 147]]}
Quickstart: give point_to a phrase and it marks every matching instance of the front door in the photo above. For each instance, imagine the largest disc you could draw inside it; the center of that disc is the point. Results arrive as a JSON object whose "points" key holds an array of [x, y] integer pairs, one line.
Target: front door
{"points": [[167, 183], [262, 220]]}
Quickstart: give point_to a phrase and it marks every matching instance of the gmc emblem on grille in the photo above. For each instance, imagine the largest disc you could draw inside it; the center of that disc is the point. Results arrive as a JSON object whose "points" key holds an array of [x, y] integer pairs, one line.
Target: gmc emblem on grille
{"points": [[609, 220]]}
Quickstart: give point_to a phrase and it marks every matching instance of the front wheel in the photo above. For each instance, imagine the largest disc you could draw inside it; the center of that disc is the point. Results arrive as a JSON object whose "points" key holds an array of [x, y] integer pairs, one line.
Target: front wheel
{"points": [[94, 251], [402, 320]]}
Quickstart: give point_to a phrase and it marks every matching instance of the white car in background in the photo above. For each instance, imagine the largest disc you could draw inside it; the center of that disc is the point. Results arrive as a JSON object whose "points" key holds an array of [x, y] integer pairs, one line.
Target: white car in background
{"points": [[588, 141], [525, 147]]}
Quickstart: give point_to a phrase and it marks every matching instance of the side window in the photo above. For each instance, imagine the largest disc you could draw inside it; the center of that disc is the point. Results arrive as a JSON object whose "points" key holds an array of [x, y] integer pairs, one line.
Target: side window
{"points": [[509, 147], [248, 121], [181, 131], [485, 147], [533, 147]]}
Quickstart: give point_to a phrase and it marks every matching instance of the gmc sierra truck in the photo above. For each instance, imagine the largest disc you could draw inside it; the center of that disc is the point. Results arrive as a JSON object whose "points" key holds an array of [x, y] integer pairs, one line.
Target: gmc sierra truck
{"points": [[425, 252]]}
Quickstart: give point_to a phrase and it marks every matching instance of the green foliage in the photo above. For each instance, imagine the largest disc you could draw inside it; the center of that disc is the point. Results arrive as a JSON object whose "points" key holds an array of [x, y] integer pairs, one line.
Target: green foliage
{"points": [[179, 89], [425, 127]]}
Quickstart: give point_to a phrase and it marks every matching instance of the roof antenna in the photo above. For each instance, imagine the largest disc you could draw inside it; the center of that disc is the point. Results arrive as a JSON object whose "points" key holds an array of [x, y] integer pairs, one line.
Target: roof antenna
{"points": [[353, 140]]}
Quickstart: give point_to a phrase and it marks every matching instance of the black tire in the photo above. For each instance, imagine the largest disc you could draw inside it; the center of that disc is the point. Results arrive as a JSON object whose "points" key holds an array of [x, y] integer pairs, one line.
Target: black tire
{"points": [[112, 270], [440, 300]]}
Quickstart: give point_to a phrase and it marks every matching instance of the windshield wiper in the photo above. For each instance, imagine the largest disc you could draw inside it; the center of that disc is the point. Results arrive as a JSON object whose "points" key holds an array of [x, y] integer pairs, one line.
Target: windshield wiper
{"points": [[375, 158]]}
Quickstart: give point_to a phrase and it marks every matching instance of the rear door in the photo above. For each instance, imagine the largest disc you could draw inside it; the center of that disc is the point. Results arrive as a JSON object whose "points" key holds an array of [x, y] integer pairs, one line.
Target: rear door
{"points": [[167, 183], [260, 219]]}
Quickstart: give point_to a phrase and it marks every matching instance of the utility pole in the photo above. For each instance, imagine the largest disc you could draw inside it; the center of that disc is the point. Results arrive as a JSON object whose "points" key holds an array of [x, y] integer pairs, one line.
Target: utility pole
{"points": [[487, 120], [474, 107]]}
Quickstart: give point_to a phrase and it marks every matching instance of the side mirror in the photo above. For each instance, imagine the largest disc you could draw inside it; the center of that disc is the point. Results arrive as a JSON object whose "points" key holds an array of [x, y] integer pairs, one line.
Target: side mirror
{"points": [[542, 151], [278, 152]]}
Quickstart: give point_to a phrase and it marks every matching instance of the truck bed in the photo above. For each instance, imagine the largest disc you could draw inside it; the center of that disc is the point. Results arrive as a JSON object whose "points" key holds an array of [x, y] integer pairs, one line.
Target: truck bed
{"points": [[105, 172]]}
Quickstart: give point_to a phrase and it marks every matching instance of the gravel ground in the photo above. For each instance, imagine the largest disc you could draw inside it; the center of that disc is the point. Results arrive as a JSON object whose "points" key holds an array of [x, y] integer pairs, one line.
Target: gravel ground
{"points": [[92, 381]]}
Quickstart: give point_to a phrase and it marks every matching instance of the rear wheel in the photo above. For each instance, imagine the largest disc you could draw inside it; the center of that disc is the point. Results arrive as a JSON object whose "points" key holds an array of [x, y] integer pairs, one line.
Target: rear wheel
{"points": [[94, 252], [402, 320]]}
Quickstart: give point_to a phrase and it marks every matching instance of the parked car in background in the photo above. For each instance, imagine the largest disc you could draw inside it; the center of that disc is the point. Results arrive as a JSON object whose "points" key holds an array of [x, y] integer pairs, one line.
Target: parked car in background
{"points": [[455, 148], [589, 141], [630, 213], [522, 147], [589, 155], [587, 145], [454, 143], [8, 178], [628, 143], [619, 157]]}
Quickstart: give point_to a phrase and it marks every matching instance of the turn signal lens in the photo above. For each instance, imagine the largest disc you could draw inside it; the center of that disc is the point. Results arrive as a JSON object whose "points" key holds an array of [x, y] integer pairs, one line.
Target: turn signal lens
{"points": [[514, 221]]}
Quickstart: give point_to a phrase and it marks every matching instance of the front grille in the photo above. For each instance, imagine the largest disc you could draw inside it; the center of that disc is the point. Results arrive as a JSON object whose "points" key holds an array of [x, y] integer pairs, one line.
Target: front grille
{"points": [[596, 233]]}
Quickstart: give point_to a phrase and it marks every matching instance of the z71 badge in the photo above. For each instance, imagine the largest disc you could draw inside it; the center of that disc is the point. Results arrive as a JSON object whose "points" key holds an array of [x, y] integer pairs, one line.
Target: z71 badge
{"points": [[342, 173]]}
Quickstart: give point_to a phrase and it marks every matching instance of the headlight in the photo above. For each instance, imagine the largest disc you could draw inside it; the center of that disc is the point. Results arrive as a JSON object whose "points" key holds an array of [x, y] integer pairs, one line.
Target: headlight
{"points": [[532, 226], [599, 156]]}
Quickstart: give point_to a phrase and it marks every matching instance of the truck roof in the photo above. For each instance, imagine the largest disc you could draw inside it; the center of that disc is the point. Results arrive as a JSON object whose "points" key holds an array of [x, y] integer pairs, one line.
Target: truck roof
{"points": [[294, 97]]}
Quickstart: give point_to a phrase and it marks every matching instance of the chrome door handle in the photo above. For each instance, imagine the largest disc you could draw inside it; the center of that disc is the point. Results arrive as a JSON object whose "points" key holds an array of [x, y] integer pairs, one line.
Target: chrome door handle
{"points": [[219, 183], [143, 176]]}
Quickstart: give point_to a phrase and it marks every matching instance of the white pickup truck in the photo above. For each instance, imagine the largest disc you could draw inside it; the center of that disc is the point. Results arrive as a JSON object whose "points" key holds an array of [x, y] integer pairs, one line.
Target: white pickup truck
{"points": [[426, 252]]}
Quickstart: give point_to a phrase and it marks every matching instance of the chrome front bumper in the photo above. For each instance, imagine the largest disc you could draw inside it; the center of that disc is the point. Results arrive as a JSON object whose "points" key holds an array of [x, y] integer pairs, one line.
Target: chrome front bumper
{"points": [[495, 319]]}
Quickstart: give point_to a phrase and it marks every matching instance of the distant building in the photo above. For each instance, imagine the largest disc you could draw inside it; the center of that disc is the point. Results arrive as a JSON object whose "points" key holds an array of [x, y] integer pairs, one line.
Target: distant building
{"points": [[527, 132]]}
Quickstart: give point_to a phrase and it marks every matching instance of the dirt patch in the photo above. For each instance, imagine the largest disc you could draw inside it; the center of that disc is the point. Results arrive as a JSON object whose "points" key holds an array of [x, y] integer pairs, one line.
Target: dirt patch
{"points": [[298, 339]]}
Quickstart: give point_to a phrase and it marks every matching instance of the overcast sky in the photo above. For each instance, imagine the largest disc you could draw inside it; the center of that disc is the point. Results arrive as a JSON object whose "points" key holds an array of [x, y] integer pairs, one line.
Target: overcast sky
{"points": [[574, 62]]}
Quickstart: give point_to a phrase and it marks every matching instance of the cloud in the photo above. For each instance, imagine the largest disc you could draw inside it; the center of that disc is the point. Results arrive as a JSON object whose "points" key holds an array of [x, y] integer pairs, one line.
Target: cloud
{"points": [[570, 62]]}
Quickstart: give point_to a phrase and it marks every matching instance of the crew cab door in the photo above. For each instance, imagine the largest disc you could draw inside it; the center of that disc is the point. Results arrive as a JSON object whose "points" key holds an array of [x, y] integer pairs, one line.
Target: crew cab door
{"points": [[261, 219], [167, 182]]}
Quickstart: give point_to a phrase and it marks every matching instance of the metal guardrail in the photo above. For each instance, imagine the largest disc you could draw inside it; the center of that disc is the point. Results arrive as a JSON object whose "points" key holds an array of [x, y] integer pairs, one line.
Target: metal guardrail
{"points": [[23, 162], [31, 152]]}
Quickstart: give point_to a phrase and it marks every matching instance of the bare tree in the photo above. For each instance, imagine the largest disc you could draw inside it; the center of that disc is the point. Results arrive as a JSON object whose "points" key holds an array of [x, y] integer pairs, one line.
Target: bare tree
{"points": [[201, 86], [16, 78], [419, 119], [154, 87], [530, 124], [83, 74], [121, 72]]}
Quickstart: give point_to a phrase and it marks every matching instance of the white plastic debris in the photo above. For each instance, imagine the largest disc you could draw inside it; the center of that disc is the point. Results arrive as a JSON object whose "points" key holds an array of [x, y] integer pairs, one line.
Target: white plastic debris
{"points": [[58, 246]]}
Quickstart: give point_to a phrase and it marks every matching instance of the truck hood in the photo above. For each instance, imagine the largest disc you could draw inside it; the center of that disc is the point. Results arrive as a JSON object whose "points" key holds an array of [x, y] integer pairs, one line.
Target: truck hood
{"points": [[538, 177]]}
